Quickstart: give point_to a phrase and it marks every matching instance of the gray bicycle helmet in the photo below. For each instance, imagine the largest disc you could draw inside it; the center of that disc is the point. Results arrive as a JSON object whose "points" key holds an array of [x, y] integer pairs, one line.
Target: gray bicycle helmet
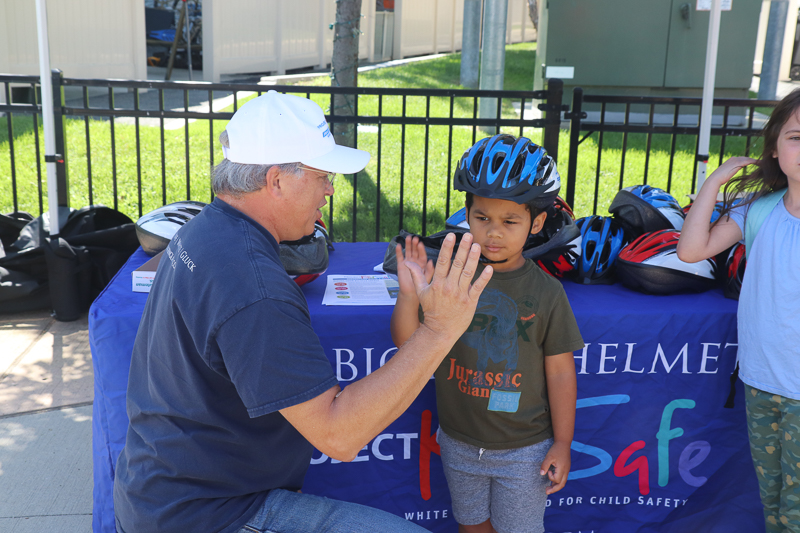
{"points": [[156, 228], [509, 168], [307, 258]]}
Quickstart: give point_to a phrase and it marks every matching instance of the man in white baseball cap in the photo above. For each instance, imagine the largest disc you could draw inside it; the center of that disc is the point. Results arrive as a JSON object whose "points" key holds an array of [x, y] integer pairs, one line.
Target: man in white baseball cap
{"points": [[229, 387]]}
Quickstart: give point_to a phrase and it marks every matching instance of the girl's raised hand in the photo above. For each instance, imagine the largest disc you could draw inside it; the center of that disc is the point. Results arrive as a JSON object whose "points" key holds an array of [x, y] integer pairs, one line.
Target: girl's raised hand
{"points": [[414, 253]]}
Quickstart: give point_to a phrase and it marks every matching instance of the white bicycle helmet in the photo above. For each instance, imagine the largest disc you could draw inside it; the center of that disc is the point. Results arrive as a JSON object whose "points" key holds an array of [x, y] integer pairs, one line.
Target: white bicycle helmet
{"points": [[156, 228]]}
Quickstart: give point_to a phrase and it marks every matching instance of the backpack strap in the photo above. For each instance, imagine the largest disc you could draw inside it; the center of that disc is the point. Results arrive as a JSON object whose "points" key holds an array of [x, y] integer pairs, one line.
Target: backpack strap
{"points": [[756, 216]]}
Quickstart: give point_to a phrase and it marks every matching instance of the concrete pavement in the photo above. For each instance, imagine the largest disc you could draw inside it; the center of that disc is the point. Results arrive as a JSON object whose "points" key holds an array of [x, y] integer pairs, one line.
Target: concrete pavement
{"points": [[46, 390]]}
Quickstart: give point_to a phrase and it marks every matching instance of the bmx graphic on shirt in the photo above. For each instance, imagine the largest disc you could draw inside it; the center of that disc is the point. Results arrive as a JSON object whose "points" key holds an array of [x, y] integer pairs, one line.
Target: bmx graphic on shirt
{"points": [[493, 333]]}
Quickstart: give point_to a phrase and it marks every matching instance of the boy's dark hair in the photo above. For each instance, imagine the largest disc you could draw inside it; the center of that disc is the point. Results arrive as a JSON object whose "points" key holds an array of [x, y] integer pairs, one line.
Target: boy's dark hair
{"points": [[767, 176], [532, 209]]}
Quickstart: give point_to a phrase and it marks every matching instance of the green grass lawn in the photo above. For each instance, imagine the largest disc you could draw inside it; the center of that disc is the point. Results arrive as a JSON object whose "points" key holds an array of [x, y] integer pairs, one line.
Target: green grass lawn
{"points": [[379, 195]]}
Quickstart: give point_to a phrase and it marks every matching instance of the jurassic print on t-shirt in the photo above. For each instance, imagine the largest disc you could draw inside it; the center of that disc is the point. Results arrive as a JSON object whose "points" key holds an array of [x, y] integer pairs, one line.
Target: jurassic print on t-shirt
{"points": [[495, 333]]}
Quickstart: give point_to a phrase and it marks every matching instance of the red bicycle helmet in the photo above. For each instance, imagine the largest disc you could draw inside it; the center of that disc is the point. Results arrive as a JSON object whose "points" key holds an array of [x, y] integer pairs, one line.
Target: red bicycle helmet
{"points": [[734, 271], [650, 264]]}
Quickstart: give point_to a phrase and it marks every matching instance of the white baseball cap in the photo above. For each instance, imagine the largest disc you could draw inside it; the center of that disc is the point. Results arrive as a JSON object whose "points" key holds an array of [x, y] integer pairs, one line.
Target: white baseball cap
{"points": [[281, 128]]}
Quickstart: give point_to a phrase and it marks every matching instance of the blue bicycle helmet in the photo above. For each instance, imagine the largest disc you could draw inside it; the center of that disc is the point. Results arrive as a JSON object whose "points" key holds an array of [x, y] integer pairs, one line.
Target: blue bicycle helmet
{"points": [[509, 168], [644, 209], [602, 238], [457, 220]]}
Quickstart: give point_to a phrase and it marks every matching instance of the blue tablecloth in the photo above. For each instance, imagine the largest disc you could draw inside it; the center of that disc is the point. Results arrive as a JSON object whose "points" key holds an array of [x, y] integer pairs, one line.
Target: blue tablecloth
{"points": [[654, 449]]}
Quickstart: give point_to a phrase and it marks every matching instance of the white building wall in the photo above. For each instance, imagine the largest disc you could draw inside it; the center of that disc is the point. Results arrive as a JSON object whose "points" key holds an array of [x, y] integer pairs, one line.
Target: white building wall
{"points": [[241, 36], [106, 38], [418, 27], [435, 26]]}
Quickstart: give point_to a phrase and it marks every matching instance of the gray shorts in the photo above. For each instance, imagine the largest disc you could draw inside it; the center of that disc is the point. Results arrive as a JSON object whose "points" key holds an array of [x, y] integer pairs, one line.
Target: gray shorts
{"points": [[504, 485]]}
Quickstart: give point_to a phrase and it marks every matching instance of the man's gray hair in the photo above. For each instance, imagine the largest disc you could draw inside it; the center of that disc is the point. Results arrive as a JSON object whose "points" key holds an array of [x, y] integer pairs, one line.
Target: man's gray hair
{"points": [[237, 179]]}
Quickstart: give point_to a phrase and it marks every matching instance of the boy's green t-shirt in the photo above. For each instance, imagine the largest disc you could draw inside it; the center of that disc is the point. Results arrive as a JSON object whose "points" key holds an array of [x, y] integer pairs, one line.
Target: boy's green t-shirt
{"points": [[490, 389]]}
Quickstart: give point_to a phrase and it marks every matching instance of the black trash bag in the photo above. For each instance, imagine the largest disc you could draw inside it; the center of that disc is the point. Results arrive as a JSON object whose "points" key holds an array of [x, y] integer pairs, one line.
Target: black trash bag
{"points": [[94, 243], [67, 270], [110, 238], [20, 292], [10, 227]]}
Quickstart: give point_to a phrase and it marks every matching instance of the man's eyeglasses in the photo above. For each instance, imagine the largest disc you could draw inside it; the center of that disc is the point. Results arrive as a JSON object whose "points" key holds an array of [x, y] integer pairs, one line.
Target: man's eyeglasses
{"points": [[328, 175]]}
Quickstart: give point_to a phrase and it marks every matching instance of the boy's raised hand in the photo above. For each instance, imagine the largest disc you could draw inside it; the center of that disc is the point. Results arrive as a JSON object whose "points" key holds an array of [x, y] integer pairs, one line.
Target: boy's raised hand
{"points": [[449, 299], [556, 466], [414, 253]]}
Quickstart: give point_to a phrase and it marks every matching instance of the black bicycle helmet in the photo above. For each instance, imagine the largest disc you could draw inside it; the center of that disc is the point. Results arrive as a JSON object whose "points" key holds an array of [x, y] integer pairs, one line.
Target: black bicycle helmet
{"points": [[432, 243], [650, 264], [508, 168], [735, 266], [561, 205], [307, 258], [156, 228], [602, 238], [557, 247], [644, 209], [554, 249]]}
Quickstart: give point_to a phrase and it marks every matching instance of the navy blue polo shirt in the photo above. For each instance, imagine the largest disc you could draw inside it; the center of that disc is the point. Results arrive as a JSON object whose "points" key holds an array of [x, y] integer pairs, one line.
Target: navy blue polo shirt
{"points": [[224, 343]]}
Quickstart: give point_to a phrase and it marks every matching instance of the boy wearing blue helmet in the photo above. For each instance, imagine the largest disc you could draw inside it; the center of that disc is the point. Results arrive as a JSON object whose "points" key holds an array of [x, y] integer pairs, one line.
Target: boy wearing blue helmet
{"points": [[506, 392]]}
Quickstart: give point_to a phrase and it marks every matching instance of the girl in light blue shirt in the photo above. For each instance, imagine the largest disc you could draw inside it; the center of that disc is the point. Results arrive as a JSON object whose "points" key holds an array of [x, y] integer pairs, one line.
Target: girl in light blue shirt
{"points": [[769, 303]]}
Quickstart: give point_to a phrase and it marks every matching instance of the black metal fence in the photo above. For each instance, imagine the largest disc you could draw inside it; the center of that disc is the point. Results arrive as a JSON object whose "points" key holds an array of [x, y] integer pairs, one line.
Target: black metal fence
{"points": [[136, 145], [664, 135]]}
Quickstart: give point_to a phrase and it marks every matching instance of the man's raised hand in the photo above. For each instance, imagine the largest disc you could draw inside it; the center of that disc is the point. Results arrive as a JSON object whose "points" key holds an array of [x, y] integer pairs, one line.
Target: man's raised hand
{"points": [[449, 299]]}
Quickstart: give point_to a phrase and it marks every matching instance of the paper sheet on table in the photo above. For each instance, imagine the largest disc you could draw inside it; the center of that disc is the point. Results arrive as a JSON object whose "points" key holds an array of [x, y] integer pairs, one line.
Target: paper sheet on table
{"points": [[360, 290]]}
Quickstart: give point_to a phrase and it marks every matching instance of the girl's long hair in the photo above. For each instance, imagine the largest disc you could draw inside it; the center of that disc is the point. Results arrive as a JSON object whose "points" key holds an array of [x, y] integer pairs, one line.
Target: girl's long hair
{"points": [[767, 176]]}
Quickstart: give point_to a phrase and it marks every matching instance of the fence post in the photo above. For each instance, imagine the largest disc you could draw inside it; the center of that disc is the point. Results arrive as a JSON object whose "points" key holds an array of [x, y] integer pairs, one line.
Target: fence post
{"points": [[62, 178], [552, 116], [574, 133]]}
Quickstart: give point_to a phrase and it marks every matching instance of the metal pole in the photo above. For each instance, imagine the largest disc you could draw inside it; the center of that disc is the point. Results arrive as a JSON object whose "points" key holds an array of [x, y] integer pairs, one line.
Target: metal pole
{"points": [[773, 45], [59, 132], [189, 39], [708, 92], [50, 157], [493, 57], [470, 44], [574, 141], [555, 94]]}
